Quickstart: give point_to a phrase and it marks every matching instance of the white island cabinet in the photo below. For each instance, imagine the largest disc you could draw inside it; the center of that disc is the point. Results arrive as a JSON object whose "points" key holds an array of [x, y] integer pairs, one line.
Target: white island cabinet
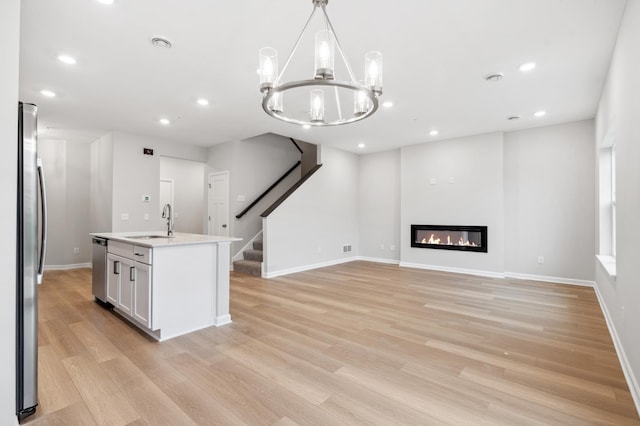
{"points": [[169, 286]]}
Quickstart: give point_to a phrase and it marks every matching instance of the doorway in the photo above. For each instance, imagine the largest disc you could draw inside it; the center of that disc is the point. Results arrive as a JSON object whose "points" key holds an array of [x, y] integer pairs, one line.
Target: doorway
{"points": [[218, 195]]}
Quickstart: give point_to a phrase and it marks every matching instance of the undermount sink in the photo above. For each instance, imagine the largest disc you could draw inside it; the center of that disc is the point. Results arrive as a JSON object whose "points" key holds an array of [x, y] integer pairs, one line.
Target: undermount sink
{"points": [[147, 237]]}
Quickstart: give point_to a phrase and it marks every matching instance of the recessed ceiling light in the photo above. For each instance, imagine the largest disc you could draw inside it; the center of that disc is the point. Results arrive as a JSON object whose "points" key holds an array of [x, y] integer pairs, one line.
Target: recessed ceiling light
{"points": [[306, 126], [159, 41], [540, 113], [164, 121], [433, 133], [361, 145], [67, 59], [203, 102], [105, 1], [387, 104], [48, 93], [528, 66], [494, 77]]}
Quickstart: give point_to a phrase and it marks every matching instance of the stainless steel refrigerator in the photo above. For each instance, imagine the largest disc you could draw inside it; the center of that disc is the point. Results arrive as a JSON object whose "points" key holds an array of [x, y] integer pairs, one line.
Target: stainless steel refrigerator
{"points": [[30, 252]]}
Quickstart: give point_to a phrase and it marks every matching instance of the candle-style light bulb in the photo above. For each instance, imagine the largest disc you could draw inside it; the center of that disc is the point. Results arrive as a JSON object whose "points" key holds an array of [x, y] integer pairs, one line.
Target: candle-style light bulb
{"points": [[373, 71], [317, 106], [268, 67], [324, 55]]}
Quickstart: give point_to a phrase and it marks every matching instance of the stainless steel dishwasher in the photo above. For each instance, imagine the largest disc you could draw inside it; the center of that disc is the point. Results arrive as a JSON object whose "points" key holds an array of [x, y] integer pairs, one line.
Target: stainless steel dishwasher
{"points": [[99, 275]]}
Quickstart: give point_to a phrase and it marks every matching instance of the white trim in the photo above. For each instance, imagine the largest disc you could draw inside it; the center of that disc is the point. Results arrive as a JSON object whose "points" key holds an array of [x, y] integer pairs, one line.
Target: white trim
{"points": [[544, 278], [223, 320], [281, 272], [239, 255], [490, 274], [608, 263], [67, 267], [378, 260], [634, 388]]}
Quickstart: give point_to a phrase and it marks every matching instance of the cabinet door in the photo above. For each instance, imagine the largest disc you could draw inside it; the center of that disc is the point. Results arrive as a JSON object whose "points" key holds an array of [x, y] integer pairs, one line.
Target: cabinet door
{"points": [[127, 283], [142, 295], [114, 267]]}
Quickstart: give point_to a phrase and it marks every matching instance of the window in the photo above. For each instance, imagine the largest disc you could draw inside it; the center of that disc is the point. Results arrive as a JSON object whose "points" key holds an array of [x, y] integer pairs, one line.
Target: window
{"points": [[613, 200], [607, 204]]}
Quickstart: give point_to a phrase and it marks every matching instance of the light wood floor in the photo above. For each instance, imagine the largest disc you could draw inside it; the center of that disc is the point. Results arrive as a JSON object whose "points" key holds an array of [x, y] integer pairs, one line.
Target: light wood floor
{"points": [[359, 343]]}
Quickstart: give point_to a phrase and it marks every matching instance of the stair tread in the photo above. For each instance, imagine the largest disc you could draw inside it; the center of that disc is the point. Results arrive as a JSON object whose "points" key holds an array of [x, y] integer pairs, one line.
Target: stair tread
{"points": [[250, 267], [257, 245], [255, 255]]}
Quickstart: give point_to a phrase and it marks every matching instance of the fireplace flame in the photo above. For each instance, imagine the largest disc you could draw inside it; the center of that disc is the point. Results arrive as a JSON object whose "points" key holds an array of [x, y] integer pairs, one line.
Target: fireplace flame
{"points": [[434, 240]]}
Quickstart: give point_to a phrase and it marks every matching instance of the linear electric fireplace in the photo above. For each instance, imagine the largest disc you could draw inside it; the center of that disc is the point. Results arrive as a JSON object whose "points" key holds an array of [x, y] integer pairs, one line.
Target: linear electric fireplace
{"points": [[450, 237]]}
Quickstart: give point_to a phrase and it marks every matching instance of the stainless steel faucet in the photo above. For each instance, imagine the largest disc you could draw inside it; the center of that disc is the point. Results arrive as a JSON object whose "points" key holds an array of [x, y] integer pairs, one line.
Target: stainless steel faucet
{"points": [[167, 214]]}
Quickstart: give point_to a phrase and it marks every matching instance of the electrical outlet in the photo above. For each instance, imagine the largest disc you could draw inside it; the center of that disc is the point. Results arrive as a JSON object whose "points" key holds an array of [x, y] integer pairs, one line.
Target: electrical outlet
{"points": [[392, 248], [124, 216], [146, 216], [76, 250], [541, 259]]}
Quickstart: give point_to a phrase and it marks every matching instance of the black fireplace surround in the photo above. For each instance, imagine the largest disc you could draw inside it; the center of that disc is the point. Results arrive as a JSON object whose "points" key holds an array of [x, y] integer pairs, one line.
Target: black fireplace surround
{"points": [[450, 237]]}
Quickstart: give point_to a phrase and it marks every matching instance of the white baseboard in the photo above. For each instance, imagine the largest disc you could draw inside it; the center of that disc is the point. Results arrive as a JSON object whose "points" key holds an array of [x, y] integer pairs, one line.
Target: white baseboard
{"points": [[544, 278], [223, 320], [634, 388], [282, 272], [67, 267], [378, 260], [477, 272]]}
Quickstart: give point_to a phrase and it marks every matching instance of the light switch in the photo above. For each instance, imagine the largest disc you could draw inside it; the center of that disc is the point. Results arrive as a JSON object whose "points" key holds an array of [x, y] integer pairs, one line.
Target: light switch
{"points": [[433, 181], [146, 216], [241, 198], [452, 180], [146, 198]]}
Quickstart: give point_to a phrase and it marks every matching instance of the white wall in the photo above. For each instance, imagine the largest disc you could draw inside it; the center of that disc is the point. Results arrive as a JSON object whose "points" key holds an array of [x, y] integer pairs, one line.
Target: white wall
{"points": [[379, 206], [311, 226], [475, 198], [188, 191], [254, 164], [10, 35], [66, 169], [136, 175], [101, 199], [618, 112], [548, 177]]}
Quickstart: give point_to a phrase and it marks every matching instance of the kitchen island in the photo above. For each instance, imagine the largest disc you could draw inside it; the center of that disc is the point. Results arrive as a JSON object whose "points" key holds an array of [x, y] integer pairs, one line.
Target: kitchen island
{"points": [[168, 286]]}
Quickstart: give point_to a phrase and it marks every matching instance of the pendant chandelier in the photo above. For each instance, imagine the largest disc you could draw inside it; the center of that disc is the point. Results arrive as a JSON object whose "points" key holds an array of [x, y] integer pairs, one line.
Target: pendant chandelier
{"points": [[321, 100]]}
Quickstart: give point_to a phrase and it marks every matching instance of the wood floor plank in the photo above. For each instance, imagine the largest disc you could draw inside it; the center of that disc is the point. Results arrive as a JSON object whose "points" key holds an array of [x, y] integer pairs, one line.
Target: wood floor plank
{"points": [[352, 344]]}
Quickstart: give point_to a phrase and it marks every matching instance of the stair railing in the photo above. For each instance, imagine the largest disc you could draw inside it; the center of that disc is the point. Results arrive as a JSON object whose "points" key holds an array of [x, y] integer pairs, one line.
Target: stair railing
{"points": [[261, 196]]}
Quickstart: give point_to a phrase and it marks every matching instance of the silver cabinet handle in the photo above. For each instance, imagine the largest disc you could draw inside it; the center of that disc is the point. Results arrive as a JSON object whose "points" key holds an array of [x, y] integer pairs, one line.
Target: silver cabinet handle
{"points": [[116, 267], [132, 273], [43, 228]]}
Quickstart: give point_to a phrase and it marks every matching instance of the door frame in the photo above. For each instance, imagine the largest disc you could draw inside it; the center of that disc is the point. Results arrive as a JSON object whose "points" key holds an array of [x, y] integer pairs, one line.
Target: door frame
{"points": [[209, 198]]}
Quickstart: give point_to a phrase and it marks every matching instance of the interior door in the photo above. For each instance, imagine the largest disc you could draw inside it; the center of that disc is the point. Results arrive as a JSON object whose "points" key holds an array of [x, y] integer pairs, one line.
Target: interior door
{"points": [[219, 204]]}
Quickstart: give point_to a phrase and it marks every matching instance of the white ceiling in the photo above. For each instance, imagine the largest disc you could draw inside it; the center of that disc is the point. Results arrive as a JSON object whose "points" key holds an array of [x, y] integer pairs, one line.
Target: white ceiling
{"points": [[436, 54]]}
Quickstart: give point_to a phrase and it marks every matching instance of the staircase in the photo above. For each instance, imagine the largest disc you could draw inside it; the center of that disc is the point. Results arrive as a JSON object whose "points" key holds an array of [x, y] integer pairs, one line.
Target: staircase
{"points": [[252, 262]]}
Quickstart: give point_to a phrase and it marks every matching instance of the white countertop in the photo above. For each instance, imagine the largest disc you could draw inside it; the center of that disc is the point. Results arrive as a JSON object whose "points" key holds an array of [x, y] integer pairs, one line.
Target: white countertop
{"points": [[178, 239]]}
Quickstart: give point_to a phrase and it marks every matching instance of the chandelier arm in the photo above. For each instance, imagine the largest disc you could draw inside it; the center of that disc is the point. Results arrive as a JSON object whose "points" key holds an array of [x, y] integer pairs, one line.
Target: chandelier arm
{"points": [[335, 88], [295, 47], [335, 36]]}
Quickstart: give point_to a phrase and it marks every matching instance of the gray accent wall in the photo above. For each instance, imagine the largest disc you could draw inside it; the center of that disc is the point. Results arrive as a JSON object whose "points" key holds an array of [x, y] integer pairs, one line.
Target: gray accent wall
{"points": [[66, 169], [549, 194], [454, 182], [10, 35], [618, 114], [101, 200], [379, 206]]}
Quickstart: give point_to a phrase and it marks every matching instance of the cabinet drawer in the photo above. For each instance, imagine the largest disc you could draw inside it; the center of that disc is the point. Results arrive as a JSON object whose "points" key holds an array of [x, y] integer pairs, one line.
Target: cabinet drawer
{"points": [[142, 254], [121, 249]]}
